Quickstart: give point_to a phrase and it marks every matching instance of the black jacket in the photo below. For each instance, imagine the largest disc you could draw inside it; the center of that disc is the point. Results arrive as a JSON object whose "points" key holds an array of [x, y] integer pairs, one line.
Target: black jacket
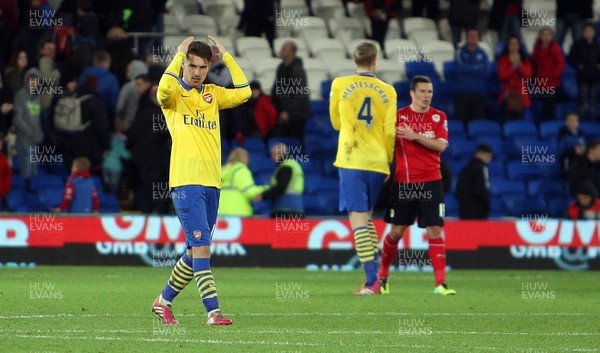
{"points": [[582, 7], [586, 55], [290, 90], [584, 170], [471, 191], [498, 13], [463, 13], [148, 138]]}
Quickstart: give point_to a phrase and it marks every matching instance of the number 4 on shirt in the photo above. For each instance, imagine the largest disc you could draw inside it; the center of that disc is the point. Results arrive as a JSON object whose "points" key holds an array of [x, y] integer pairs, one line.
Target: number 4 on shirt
{"points": [[364, 113]]}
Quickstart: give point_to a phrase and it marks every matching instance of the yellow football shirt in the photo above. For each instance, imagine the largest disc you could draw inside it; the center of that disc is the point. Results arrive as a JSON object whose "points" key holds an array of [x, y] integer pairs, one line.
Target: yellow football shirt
{"points": [[363, 109], [192, 117]]}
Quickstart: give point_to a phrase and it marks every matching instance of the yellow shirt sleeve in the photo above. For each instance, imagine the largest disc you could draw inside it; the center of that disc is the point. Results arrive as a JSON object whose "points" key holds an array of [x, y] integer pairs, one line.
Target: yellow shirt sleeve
{"points": [[390, 128], [334, 113], [233, 97], [167, 86]]}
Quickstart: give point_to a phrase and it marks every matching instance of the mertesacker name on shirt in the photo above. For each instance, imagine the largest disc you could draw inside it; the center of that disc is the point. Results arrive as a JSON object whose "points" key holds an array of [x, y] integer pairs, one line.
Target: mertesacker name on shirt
{"points": [[364, 84]]}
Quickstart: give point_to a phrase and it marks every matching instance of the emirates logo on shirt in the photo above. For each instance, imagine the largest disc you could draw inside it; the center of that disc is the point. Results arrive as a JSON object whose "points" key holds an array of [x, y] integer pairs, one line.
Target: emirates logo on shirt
{"points": [[208, 98]]}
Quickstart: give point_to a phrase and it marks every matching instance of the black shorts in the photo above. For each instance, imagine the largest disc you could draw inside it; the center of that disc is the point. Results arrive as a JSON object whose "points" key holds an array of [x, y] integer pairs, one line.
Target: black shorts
{"points": [[421, 201]]}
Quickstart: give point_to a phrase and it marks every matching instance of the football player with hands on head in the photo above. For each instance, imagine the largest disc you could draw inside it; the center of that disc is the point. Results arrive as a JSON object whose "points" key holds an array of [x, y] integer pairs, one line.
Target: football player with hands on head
{"points": [[191, 110]]}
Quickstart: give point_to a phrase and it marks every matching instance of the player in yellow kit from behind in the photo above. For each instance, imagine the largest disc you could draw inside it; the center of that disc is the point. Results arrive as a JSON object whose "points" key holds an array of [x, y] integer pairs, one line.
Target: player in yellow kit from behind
{"points": [[191, 110], [363, 109]]}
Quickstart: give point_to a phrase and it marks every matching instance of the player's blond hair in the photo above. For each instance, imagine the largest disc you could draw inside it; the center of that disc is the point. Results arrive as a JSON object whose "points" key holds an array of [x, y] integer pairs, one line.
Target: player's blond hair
{"points": [[365, 54]]}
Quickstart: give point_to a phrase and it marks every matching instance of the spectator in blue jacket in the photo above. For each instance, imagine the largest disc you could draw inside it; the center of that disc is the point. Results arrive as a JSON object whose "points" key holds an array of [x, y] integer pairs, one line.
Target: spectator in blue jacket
{"points": [[108, 85], [472, 66], [571, 141], [80, 193]]}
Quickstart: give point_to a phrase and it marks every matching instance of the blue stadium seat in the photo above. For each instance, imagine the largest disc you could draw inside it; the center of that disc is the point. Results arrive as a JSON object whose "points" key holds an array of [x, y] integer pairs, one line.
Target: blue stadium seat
{"points": [[456, 165], [521, 171], [260, 165], [108, 203], [461, 149], [425, 68], [456, 129], [329, 185], [50, 197], [326, 88], [262, 208], [329, 169], [590, 128], [497, 208], [545, 187], [563, 108], [263, 178], [41, 181], [496, 168], [60, 169], [17, 181], [320, 106], [558, 206], [252, 145], [519, 127], [312, 184], [403, 92], [482, 128], [520, 205], [315, 205], [549, 129], [568, 86], [331, 199], [16, 199], [451, 204], [312, 128], [32, 200], [501, 187], [312, 167]]}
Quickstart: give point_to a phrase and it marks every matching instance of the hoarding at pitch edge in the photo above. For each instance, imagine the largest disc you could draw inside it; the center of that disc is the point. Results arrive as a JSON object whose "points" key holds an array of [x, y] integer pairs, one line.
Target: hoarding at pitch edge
{"points": [[50, 230]]}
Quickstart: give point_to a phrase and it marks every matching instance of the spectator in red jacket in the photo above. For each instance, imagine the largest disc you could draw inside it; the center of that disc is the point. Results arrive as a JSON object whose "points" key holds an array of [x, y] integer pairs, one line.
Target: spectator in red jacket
{"points": [[258, 117], [514, 68], [548, 64], [265, 114], [5, 172], [586, 204]]}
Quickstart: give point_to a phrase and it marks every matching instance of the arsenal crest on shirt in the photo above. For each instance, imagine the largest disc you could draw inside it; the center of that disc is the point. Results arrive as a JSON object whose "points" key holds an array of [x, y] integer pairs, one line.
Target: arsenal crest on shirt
{"points": [[208, 98]]}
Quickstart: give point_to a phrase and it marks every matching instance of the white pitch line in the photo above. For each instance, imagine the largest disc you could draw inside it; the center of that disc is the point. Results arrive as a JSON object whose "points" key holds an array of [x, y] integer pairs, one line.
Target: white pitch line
{"points": [[47, 316], [312, 332], [276, 343]]}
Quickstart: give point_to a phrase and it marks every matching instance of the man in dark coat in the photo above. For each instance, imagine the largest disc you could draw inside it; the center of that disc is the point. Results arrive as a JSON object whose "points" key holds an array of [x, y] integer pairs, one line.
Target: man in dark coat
{"points": [[149, 142], [290, 93], [473, 186], [586, 168], [585, 58]]}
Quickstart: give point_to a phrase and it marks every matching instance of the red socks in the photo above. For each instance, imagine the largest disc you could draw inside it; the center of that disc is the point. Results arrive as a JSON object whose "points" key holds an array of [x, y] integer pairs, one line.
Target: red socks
{"points": [[388, 254], [437, 254]]}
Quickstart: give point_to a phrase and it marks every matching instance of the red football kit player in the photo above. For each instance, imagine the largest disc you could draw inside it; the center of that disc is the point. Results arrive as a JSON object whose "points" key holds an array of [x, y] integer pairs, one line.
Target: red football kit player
{"points": [[422, 134]]}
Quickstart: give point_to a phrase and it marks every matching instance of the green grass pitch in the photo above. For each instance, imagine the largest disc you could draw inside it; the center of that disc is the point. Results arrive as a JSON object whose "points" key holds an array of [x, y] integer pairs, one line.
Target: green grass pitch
{"points": [[107, 309]]}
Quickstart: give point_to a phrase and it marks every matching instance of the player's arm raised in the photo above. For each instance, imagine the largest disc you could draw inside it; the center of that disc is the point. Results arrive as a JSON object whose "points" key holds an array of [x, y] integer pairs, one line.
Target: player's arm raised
{"points": [[169, 80], [231, 98]]}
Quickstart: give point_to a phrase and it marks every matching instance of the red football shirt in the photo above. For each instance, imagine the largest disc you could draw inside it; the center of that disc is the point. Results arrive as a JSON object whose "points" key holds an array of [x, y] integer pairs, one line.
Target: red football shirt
{"points": [[416, 163]]}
